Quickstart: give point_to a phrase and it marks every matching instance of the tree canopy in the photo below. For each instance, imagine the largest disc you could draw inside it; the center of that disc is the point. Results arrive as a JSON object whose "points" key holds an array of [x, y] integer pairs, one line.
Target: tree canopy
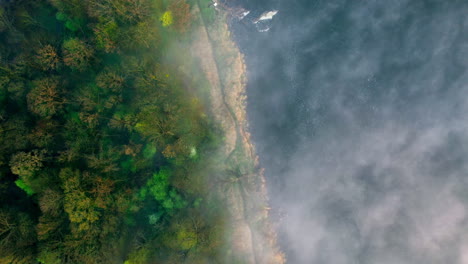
{"points": [[102, 141]]}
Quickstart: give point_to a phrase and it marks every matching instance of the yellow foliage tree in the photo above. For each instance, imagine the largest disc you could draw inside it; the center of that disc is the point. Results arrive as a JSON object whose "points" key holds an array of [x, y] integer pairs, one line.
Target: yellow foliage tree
{"points": [[80, 208], [167, 19]]}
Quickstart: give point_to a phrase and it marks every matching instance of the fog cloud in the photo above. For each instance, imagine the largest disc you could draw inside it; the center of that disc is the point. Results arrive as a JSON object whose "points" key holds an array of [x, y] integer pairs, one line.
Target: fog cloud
{"points": [[373, 111]]}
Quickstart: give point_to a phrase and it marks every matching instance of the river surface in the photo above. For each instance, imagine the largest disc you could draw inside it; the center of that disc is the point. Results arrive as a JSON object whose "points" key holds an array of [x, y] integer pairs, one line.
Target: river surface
{"points": [[359, 112]]}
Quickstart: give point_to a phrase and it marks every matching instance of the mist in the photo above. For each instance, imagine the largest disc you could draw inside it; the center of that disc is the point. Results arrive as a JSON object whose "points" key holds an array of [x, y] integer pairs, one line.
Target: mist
{"points": [[358, 110]]}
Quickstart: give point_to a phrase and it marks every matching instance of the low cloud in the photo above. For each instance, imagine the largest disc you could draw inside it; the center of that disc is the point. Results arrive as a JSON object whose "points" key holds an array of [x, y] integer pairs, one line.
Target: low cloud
{"points": [[375, 104]]}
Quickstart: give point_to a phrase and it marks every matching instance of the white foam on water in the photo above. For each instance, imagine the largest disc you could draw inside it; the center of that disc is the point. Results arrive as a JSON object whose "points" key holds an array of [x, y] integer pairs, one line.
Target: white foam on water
{"points": [[266, 16]]}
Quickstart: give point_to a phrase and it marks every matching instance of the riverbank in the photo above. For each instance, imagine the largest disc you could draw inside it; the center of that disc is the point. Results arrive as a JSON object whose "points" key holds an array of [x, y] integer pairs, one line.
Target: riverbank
{"points": [[241, 183]]}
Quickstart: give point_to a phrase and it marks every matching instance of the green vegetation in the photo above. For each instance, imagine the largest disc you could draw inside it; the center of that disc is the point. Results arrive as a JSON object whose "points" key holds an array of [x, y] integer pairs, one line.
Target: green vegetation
{"points": [[167, 19], [207, 11], [105, 144]]}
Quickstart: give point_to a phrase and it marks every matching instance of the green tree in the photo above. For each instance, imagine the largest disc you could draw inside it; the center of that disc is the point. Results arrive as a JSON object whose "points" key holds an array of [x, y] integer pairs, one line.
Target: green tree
{"points": [[72, 24], [49, 256], [140, 256], [25, 187], [90, 107], [106, 34], [76, 54], [158, 188]]}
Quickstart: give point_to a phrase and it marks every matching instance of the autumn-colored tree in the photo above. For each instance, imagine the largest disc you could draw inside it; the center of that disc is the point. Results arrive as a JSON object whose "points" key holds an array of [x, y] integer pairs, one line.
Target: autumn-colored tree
{"points": [[51, 202], [106, 34], [83, 247], [146, 83], [76, 54], [144, 34], [156, 124], [123, 10], [169, 152], [16, 90], [139, 256], [25, 164], [180, 10], [101, 190], [45, 97], [123, 121], [89, 98], [79, 206], [75, 8], [78, 141], [179, 148], [182, 235], [13, 133], [99, 130], [43, 134], [90, 119], [52, 218], [50, 255], [48, 227], [16, 237], [7, 227], [104, 160], [47, 58], [112, 101], [111, 80], [132, 149]]}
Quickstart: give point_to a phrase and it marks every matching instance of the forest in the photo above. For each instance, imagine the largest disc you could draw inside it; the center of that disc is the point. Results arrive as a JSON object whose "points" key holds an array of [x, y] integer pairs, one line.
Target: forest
{"points": [[105, 144]]}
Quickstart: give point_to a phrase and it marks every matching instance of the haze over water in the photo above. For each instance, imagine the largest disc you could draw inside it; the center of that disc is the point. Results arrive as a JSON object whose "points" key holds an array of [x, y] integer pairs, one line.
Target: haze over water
{"points": [[359, 111]]}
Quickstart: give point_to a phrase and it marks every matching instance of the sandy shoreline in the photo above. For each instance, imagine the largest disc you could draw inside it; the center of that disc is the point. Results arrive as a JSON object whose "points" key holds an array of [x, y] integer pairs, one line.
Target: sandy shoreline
{"points": [[252, 239]]}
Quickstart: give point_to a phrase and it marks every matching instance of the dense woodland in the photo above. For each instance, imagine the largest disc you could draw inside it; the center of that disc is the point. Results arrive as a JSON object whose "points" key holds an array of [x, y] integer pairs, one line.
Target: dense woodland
{"points": [[104, 145]]}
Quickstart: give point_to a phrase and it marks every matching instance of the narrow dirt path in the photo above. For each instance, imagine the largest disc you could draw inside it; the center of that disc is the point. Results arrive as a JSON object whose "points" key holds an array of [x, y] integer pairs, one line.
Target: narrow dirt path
{"points": [[202, 50]]}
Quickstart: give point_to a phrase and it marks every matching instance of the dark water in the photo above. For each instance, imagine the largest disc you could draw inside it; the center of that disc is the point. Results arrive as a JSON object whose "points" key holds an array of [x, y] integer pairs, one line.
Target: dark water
{"points": [[359, 110]]}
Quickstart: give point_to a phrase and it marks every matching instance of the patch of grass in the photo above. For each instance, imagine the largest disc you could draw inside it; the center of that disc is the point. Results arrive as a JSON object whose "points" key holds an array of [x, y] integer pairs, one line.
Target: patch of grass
{"points": [[207, 11]]}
